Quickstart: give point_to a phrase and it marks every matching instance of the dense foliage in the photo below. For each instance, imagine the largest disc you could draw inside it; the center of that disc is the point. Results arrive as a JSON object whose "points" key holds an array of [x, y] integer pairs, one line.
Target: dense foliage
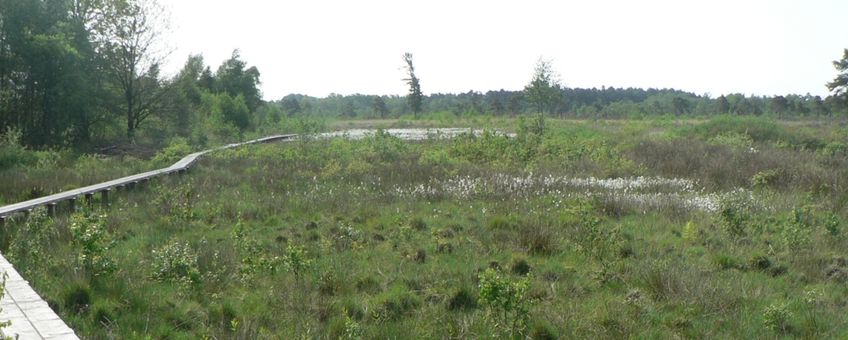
{"points": [[83, 72], [606, 102]]}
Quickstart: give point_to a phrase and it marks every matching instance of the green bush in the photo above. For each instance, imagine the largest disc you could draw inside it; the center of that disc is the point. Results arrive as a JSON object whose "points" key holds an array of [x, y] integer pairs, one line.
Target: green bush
{"points": [[256, 260], [765, 178], [12, 153], [30, 248], [296, 260], [507, 302], [760, 129], [176, 262], [777, 317], [735, 213], [92, 239], [797, 232], [176, 150], [734, 140], [725, 262]]}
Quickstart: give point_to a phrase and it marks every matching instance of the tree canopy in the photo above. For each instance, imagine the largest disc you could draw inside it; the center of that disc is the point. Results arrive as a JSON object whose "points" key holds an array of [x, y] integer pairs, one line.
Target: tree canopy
{"points": [[544, 91], [839, 86]]}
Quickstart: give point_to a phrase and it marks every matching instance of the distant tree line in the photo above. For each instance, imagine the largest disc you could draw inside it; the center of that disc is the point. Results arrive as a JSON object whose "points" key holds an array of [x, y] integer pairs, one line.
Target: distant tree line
{"points": [[85, 73], [604, 102], [546, 94]]}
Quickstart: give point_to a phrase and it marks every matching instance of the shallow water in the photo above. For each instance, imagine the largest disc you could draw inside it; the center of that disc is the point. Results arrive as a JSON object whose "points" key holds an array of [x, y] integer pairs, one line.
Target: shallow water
{"points": [[642, 192]]}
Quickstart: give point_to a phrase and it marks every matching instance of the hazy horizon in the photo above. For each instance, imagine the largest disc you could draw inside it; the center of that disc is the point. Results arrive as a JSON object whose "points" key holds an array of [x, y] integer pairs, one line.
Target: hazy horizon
{"points": [[321, 47]]}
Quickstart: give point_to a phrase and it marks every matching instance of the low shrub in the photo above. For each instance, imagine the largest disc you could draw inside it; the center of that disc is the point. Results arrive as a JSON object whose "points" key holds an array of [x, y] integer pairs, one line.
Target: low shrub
{"points": [[176, 150], [93, 241], [176, 262], [777, 317], [507, 302]]}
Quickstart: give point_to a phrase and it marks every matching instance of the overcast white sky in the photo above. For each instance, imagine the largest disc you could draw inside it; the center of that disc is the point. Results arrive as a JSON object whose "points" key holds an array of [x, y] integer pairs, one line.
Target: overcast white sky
{"points": [[318, 47]]}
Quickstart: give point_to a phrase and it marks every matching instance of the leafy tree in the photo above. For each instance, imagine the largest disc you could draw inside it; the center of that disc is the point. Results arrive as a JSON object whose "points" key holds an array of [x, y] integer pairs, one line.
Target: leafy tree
{"points": [[415, 97], [234, 78], [227, 110], [348, 109], [544, 91], [207, 80], [723, 106], [817, 106], [839, 85], [187, 95], [779, 105], [379, 107], [291, 106], [48, 78], [680, 105], [496, 106], [129, 40], [189, 78], [516, 103], [475, 102]]}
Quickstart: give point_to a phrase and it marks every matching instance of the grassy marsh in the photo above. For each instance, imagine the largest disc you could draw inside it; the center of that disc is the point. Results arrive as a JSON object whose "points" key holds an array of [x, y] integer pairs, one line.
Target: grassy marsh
{"points": [[334, 239]]}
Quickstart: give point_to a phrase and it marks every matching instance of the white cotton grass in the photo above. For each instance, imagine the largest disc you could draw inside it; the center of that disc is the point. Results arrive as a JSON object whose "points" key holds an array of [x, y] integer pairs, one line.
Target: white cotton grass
{"points": [[405, 134], [409, 133], [643, 193]]}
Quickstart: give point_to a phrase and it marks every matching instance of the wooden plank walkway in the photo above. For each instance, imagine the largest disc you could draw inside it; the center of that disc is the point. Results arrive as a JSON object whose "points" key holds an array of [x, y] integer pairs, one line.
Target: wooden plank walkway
{"points": [[181, 165], [31, 317]]}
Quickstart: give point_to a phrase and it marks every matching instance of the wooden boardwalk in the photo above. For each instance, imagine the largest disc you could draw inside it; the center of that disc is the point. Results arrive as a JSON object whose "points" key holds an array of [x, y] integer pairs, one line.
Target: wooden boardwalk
{"points": [[31, 317], [180, 166]]}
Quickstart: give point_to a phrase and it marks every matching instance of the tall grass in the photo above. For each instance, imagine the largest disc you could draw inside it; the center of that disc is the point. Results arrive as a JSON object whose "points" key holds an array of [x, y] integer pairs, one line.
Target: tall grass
{"points": [[321, 240]]}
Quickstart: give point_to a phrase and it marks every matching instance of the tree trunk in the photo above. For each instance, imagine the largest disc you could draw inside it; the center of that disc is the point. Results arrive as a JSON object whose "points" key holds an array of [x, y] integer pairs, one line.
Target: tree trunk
{"points": [[130, 117], [128, 95]]}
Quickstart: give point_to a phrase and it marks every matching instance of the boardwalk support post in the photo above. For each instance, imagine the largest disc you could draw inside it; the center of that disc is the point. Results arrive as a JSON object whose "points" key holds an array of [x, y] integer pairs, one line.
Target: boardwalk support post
{"points": [[104, 196], [51, 209], [89, 199], [72, 203]]}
